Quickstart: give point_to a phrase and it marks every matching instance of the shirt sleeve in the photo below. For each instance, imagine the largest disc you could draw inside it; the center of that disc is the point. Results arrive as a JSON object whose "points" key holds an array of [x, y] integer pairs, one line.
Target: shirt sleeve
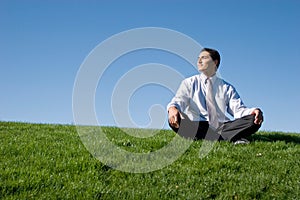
{"points": [[181, 99], [236, 107]]}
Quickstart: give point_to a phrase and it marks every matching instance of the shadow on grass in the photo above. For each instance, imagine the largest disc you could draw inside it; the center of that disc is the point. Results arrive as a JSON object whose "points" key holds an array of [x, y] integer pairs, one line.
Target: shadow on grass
{"points": [[276, 136]]}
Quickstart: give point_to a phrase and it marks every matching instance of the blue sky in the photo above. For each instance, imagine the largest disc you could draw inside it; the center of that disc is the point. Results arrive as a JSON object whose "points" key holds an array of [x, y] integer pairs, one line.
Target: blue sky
{"points": [[44, 43]]}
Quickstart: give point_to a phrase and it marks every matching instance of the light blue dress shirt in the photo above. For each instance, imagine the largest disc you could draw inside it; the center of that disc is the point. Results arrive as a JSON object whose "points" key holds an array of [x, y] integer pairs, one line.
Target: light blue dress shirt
{"points": [[190, 99]]}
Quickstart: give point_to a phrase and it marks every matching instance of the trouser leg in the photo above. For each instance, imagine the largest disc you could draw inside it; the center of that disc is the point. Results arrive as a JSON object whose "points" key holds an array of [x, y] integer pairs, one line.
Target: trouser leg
{"points": [[239, 128], [195, 129], [230, 131]]}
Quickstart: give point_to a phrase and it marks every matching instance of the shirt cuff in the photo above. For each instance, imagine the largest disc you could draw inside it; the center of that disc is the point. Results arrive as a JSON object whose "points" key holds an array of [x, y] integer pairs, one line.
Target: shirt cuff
{"points": [[173, 105]]}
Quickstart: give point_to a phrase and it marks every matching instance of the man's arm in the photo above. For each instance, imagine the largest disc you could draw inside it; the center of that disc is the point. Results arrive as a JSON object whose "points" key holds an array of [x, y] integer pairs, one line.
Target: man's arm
{"points": [[178, 104], [238, 109]]}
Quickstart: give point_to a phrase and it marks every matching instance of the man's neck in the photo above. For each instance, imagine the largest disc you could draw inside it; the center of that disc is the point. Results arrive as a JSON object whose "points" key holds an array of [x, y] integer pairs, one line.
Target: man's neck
{"points": [[208, 75]]}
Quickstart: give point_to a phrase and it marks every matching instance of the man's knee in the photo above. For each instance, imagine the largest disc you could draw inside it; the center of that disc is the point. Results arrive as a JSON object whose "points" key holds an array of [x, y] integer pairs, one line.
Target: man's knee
{"points": [[251, 119], [242, 127]]}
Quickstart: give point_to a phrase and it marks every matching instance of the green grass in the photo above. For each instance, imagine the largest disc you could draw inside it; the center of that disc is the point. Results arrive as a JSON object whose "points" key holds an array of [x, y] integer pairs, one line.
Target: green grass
{"points": [[41, 161]]}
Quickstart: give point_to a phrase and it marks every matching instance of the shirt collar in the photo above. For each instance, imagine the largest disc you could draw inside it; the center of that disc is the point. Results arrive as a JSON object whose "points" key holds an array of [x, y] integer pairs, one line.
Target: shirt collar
{"points": [[204, 78]]}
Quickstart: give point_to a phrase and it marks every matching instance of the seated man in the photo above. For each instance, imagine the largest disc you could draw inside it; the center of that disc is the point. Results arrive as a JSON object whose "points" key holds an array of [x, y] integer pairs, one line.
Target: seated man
{"points": [[198, 110]]}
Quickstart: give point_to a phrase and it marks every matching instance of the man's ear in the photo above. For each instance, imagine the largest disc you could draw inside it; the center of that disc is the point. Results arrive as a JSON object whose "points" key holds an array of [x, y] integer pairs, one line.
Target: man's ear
{"points": [[216, 62]]}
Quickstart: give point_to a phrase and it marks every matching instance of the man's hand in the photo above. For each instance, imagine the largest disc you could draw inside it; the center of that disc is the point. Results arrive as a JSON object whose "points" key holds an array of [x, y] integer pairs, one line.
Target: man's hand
{"points": [[174, 117], [259, 118]]}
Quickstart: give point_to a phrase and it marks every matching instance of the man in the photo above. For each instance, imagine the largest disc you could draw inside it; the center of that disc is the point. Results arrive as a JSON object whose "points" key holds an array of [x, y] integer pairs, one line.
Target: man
{"points": [[200, 106]]}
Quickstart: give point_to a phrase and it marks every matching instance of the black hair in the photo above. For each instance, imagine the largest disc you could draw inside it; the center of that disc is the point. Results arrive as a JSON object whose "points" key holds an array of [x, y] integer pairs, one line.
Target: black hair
{"points": [[214, 54]]}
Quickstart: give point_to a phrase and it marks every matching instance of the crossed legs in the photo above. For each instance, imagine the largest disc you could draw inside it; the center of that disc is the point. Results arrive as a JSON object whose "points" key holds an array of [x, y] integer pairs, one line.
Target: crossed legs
{"points": [[228, 131]]}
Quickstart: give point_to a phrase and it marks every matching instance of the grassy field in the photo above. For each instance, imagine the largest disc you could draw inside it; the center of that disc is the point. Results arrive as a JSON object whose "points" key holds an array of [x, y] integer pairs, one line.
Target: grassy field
{"points": [[41, 161]]}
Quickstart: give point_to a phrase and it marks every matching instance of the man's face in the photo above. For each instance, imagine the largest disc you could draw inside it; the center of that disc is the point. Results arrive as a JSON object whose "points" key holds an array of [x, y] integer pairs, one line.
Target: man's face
{"points": [[206, 64]]}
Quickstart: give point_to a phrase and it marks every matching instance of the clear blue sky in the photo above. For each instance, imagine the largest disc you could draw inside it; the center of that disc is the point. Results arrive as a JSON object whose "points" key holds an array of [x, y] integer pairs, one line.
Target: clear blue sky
{"points": [[43, 44]]}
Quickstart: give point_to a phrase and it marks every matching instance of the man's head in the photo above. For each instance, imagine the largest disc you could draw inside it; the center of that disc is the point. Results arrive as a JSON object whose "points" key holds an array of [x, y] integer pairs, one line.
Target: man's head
{"points": [[208, 61]]}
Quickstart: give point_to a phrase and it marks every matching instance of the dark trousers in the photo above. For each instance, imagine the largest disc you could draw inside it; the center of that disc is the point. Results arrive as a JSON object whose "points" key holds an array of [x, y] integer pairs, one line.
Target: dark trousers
{"points": [[229, 131]]}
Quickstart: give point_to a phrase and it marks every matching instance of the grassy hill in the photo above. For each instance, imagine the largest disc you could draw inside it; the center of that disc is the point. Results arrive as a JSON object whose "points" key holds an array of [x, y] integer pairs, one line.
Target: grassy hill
{"points": [[41, 161]]}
